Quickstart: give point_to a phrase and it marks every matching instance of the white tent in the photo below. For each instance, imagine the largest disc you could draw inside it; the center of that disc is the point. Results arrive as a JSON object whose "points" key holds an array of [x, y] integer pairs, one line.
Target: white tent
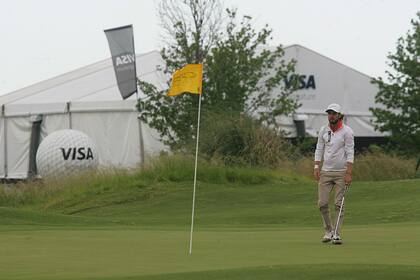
{"points": [[325, 81], [88, 100]]}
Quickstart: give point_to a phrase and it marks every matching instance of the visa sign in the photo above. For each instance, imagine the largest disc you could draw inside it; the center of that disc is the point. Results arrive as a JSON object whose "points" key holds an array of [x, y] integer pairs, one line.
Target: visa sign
{"points": [[77, 153], [124, 59], [301, 81]]}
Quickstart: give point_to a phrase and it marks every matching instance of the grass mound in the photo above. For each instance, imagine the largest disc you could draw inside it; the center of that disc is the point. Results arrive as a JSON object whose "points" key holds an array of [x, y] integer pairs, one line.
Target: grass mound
{"points": [[160, 196]]}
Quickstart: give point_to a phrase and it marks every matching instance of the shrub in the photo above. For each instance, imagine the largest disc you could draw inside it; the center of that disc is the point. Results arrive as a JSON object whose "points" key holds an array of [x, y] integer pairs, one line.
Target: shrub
{"points": [[240, 140]]}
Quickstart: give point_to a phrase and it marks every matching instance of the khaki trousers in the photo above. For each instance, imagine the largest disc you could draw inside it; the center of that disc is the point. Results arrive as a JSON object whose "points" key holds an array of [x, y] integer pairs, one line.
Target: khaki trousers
{"points": [[327, 182]]}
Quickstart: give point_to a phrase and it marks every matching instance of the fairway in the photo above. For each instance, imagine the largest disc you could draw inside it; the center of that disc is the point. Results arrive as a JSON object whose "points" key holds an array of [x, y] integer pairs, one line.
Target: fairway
{"points": [[268, 230]]}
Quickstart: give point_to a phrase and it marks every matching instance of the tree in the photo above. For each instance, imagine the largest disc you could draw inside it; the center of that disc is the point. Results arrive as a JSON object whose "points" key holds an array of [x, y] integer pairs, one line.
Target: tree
{"points": [[400, 114], [245, 77], [240, 75], [192, 27]]}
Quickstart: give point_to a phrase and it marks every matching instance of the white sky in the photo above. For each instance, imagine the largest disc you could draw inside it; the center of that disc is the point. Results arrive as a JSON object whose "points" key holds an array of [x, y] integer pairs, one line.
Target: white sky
{"points": [[41, 39]]}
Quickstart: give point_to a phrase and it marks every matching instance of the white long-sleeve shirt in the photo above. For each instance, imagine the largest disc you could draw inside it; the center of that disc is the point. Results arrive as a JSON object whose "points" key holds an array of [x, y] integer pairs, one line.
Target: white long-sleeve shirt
{"points": [[337, 148]]}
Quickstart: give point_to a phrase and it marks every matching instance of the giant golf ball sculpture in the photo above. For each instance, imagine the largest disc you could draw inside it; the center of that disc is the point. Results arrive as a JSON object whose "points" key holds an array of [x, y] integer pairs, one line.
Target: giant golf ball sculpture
{"points": [[65, 153]]}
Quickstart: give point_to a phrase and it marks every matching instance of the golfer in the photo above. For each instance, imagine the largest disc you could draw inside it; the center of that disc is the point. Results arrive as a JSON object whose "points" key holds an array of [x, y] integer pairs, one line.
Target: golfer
{"points": [[336, 147]]}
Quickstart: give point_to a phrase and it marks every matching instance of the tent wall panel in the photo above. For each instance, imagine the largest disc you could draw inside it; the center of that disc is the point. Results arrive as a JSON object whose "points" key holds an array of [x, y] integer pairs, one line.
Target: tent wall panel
{"points": [[51, 123], [152, 144], [115, 134], [2, 149], [18, 142]]}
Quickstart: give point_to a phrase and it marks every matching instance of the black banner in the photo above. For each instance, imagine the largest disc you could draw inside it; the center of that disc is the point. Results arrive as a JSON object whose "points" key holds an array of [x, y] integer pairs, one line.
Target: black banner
{"points": [[121, 44]]}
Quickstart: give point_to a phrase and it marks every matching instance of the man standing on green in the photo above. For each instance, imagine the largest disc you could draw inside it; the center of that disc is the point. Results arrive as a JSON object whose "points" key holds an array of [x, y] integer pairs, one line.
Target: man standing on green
{"points": [[336, 146]]}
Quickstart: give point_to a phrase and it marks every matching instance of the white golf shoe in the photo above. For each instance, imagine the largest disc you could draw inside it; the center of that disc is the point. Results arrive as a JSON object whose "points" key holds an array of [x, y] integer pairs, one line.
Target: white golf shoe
{"points": [[327, 237], [337, 240]]}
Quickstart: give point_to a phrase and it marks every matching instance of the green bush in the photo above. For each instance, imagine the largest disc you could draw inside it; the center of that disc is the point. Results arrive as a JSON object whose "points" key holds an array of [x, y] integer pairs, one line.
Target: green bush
{"points": [[240, 140]]}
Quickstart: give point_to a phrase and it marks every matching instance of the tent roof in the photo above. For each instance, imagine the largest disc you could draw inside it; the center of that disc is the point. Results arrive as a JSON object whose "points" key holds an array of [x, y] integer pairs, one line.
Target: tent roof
{"points": [[326, 57], [334, 83], [94, 86], [95, 83]]}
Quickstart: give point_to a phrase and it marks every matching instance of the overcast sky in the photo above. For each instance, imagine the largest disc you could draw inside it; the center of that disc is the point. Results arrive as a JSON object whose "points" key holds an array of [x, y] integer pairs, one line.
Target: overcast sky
{"points": [[41, 39]]}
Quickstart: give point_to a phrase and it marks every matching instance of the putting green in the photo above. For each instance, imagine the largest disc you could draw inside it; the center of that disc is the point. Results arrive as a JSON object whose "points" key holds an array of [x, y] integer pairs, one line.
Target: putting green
{"points": [[134, 253]]}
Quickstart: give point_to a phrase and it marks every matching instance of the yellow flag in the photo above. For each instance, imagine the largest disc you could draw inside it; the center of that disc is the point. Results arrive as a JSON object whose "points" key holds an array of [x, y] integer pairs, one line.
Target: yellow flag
{"points": [[188, 79]]}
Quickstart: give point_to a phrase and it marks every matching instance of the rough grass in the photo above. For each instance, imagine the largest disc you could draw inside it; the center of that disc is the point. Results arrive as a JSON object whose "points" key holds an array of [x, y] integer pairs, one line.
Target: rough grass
{"points": [[176, 169], [173, 169], [160, 195], [367, 167]]}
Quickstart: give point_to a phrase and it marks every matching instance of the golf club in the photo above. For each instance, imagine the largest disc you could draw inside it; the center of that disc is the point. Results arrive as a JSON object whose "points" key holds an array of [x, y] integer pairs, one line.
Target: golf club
{"points": [[338, 218]]}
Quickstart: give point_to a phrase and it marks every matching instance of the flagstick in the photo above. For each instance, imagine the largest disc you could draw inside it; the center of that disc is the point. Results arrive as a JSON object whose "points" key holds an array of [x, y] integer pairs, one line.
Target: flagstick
{"points": [[195, 173]]}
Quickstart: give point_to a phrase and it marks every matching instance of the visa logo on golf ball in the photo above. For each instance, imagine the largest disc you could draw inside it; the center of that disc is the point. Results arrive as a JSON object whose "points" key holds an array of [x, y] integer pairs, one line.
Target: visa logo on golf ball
{"points": [[65, 153], [77, 153]]}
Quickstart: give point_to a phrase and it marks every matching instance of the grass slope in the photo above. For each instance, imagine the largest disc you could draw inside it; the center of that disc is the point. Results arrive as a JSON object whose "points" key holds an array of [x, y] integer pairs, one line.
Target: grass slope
{"points": [[168, 205]]}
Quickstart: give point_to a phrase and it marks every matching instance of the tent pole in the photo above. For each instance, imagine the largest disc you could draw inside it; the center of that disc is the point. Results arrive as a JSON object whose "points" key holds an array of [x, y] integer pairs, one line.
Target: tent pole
{"points": [[3, 112], [36, 121], [141, 140], [69, 112]]}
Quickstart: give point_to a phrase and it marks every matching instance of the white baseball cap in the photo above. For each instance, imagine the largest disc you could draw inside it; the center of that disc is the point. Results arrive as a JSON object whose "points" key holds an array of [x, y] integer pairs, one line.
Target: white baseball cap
{"points": [[334, 107]]}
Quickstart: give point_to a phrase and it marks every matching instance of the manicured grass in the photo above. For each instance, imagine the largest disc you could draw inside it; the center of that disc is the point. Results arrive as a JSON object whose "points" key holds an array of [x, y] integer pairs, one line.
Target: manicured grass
{"points": [[250, 224], [116, 253]]}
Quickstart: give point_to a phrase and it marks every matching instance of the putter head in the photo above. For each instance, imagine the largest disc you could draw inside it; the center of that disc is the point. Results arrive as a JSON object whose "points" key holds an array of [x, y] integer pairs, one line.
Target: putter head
{"points": [[336, 240]]}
